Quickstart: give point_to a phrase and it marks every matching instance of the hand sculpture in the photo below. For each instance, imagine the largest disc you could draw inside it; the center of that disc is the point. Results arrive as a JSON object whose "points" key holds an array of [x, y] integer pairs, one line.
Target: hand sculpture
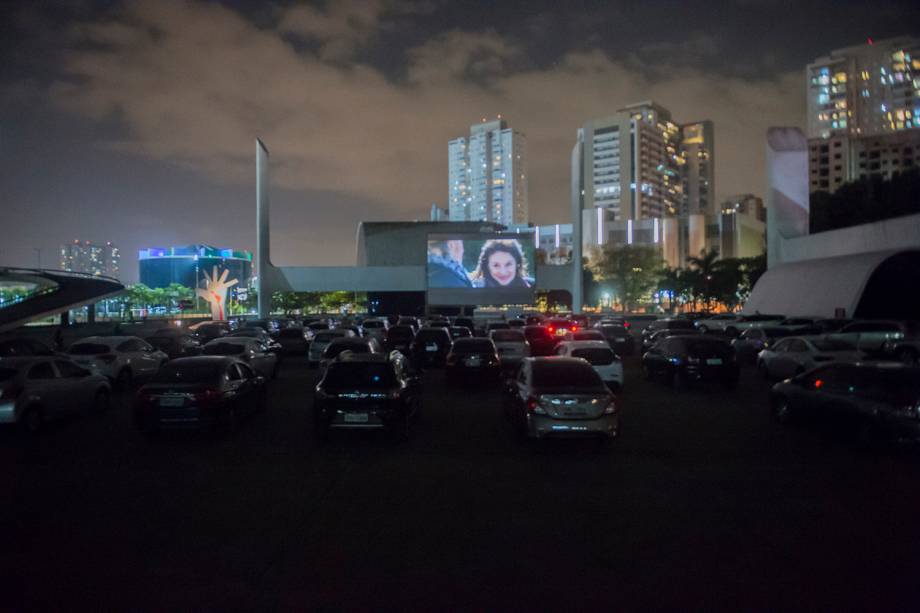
{"points": [[215, 292]]}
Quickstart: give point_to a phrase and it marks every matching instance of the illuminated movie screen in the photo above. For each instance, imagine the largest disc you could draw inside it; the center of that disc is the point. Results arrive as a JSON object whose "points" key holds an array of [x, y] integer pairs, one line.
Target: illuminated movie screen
{"points": [[478, 269]]}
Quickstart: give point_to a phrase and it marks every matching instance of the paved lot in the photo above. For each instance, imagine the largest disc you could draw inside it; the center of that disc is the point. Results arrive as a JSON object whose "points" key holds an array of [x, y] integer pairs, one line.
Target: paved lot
{"points": [[703, 503]]}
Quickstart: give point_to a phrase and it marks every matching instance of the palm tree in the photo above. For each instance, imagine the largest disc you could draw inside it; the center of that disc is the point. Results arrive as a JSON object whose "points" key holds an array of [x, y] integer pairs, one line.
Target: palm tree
{"points": [[705, 267]]}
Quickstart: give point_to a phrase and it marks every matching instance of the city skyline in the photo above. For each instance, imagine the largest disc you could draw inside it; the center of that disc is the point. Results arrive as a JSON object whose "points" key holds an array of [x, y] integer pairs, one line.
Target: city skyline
{"points": [[111, 131]]}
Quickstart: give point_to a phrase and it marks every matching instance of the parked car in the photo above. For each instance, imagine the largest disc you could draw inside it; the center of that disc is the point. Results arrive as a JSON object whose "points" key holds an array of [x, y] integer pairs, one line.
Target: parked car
{"points": [[533, 320], [542, 342], [650, 341], [715, 323], [683, 325], [370, 390], [318, 326], [560, 327], [693, 315], [560, 397], [619, 338], [353, 344], [473, 359], [407, 320], [797, 354], [738, 323], [870, 336], [259, 334], [512, 347], [376, 328], [430, 347], [24, 347], [176, 345], [600, 356], [37, 389], [204, 392], [496, 325], [295, 340], [320, 340], [516, 323], [209, 330], [906, 351], [825, 326], [123, 359], [682, 360], [586, 335], [353, 327], [399, 338], [250, 350], [881, 401], [800, 325], [753, 340], [465, 322], [459, 332], [640, 321]]}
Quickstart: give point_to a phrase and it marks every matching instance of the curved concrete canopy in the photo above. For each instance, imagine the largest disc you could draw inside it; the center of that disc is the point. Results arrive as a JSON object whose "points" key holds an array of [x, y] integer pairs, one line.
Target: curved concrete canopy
{"points": [[818, 287]]}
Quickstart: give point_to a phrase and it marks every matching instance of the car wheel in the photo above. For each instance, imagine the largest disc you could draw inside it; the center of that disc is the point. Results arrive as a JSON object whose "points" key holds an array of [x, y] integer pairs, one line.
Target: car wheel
{"points": [[123, 380], [782, 412], [102, 401], [33, 420], [907, 355]]}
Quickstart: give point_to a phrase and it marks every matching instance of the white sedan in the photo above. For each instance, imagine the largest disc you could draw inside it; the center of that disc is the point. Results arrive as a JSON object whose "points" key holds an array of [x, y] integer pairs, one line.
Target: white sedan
{"points": [[512, 346], [602, 358], [120, 358], [797, 354]]}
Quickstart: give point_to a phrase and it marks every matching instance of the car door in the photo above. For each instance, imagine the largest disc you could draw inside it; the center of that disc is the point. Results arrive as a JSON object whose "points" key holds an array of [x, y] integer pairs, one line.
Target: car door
{"points": [[78, 391], [44, 384]]}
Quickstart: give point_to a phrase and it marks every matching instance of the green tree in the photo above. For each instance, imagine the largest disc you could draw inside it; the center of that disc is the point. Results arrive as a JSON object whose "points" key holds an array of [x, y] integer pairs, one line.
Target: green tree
{"points": [[631, 270], [704, 272]]}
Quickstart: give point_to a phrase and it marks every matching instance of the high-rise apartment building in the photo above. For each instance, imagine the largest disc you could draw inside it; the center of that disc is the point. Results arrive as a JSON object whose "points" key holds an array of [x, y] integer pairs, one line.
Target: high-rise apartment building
{"points": [[863, 112], [638, 164], [487, 175], [91, 258]]}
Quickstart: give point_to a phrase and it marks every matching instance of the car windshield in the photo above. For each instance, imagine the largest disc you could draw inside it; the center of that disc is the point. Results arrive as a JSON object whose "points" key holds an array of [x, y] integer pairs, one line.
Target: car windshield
{"points": [[833, 345], [196, 372], [508, 336], [473, 346], [88, 349], [597, 356], [224, 349], [357, 375], [567, 375]]}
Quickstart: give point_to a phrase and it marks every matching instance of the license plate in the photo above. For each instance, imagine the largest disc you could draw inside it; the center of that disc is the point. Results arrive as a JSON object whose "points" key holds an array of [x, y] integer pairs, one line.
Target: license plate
{"points": [[431, 347], [472, 361], [172, 402], [714, 361], [356, 418]]}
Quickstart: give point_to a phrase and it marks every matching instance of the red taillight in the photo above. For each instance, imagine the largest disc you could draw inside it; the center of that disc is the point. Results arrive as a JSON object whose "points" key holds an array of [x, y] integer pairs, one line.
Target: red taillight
{"points": [[574, 328], [532, 404], [625, 324], [819, 384], [551, 329], [206, 396]]}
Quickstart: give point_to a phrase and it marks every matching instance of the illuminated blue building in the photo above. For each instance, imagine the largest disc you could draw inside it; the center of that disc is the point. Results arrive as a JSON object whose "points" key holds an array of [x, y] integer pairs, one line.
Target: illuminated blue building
{"points": [[186, 265]]}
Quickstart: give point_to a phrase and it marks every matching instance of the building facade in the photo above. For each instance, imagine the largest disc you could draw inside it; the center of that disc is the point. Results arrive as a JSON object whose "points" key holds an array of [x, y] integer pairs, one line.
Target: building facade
{"points": [[487, 174], [91, 258], [160, 267], [863, 112]]}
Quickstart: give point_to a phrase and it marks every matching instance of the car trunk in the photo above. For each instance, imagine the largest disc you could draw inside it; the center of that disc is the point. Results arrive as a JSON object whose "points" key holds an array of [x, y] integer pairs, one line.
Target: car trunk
{"points": [[573, 405]]}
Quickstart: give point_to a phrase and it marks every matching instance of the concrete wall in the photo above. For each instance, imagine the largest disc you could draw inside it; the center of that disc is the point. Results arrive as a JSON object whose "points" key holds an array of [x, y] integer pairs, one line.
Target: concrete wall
{"points": [[897, 233]]}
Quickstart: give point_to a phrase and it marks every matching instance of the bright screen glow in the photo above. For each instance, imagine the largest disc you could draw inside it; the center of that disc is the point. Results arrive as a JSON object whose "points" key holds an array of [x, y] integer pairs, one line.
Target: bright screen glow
{"points": [[481, 269]]}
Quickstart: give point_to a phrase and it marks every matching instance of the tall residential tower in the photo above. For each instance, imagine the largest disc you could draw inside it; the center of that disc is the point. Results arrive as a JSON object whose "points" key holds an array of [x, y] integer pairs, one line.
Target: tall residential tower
{"points": [[487, 175]]}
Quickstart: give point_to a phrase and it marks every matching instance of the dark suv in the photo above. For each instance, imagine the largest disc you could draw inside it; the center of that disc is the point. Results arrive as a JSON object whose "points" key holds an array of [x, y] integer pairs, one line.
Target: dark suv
{"points": [[368, 390], [685, 359], [430, 347]]}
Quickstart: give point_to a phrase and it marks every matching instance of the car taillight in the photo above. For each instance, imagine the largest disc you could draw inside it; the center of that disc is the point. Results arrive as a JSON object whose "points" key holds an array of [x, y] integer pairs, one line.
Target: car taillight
{"points": [[10, 392], [611, 407], [207, 395], [574, 328], [107, 358], [551, 329], [626, 324], [533, 406]]}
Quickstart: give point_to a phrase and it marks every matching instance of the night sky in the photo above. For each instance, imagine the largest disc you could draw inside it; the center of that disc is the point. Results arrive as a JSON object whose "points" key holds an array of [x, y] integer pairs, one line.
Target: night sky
{"points": [[135, 121]]}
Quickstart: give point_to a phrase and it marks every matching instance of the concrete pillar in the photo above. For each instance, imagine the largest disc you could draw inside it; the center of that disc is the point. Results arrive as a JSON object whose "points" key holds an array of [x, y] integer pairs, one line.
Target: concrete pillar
{"points": [[787, 189], [91, 314], [65, 319], [263, 245], [577, 245]]}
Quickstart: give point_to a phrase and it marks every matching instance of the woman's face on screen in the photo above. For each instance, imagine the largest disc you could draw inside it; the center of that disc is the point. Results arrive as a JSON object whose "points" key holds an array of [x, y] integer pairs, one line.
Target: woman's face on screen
{"points": [[502, 267]]}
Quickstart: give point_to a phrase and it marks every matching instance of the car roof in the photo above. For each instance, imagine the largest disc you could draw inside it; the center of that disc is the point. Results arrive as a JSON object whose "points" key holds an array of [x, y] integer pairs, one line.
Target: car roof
{"points": [[596, 344], [369, 358], [234, 340], [203, 359]]}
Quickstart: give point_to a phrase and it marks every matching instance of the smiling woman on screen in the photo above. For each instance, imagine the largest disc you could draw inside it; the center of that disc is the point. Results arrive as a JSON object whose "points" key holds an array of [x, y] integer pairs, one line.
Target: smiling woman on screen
{"points": [[501, 264]]}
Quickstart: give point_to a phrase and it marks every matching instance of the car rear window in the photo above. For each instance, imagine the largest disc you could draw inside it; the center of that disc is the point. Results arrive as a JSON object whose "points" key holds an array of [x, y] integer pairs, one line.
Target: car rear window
{"points": [[400, 332], [334, 349], [373, 324], [595, 356], [351, 376], [188, 373], [431, 335], [473, 346], [508, 336], [554, 375], [615, 331], [224, 349], [6, 374], [291, 333], [88, 349]]}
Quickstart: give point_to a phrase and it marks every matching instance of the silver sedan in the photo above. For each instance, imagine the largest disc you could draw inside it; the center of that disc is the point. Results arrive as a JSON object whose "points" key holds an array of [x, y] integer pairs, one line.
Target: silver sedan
{"points": [[797, 354]]}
